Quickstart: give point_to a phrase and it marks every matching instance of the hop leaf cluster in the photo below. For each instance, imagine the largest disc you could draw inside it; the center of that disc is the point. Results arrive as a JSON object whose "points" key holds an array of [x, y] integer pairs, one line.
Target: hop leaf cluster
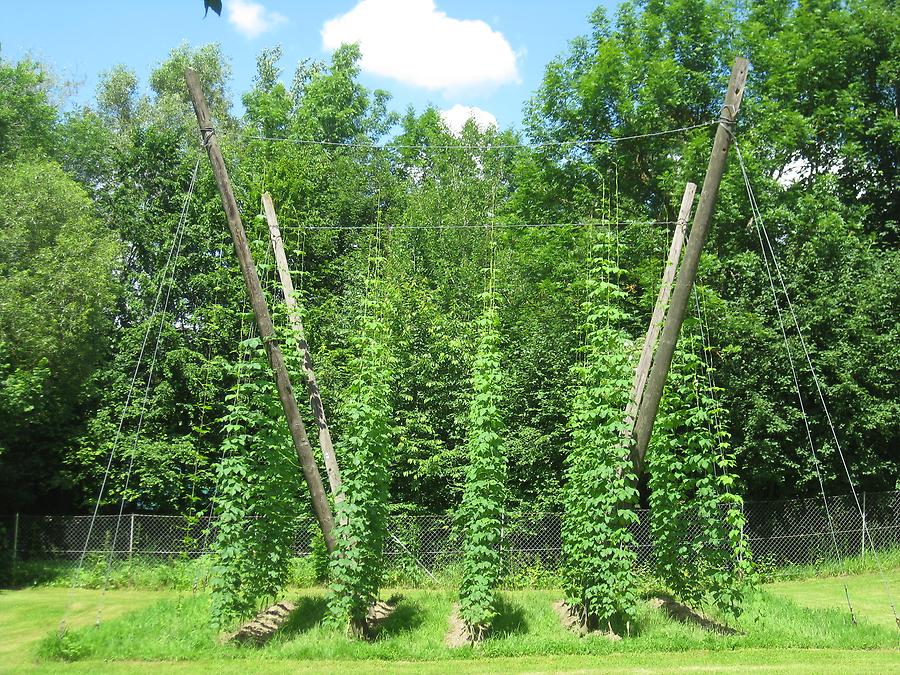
{"points": [[480, 515], [696, 521], [600, 496], [365, 452]]}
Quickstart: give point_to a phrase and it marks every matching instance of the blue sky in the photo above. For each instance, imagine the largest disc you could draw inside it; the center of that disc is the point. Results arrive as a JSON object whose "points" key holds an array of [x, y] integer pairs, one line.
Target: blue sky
{"points": [[487, 54]]}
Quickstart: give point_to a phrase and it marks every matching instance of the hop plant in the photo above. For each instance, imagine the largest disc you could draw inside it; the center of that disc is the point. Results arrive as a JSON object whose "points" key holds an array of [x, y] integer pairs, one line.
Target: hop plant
{"points": [[481, 510], [256, 500], [357, 567], [696, 520], [600, 496]]}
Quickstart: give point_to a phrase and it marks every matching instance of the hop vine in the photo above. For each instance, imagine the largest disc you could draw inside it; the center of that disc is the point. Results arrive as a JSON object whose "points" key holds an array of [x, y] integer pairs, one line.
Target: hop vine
{"points": [[600, 496], [357, 567], [482, 503], [256, 503], [696, 518]]}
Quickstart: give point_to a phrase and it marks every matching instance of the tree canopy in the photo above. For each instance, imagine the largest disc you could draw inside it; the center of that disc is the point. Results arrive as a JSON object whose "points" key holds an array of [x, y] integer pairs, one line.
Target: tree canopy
{"points": [[90, 201]]}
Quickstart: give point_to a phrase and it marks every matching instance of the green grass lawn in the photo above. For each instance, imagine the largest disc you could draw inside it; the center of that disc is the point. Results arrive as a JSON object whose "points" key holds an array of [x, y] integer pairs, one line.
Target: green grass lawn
{"points": [[27, 616], [867, 592], [739, 661], [790, 626]]}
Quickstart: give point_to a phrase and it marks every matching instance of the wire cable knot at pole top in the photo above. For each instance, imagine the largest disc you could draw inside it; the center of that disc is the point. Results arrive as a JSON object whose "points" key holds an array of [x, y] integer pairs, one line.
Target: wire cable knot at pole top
{"points": [[724, 120]]}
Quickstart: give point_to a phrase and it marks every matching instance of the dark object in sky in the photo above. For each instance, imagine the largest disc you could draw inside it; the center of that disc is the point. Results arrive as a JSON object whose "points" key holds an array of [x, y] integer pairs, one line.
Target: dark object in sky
{"points": [[214, 5]]}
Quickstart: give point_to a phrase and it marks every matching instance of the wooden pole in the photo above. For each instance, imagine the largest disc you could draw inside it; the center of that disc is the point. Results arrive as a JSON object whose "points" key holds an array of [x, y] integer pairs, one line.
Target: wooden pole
{"points": [[659, 310], [315, 397], [659, 371], [261, 312]]}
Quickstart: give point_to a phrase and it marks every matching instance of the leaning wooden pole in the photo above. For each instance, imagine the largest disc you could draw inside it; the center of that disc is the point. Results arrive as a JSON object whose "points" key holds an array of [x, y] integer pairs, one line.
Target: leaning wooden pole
{"points": [[662, 361], [315, 397], [261, 311], [659, 310]]}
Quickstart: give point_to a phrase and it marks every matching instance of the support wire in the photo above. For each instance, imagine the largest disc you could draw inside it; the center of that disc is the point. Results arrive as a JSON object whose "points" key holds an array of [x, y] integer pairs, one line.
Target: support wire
{"points": [[766, 249]]}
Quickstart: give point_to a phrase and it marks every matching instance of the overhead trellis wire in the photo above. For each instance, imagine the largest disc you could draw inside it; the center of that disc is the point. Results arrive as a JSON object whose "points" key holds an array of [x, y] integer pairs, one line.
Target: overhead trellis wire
{"points": [[603, 140], [767, 249], [481, 226], [794, 376]]}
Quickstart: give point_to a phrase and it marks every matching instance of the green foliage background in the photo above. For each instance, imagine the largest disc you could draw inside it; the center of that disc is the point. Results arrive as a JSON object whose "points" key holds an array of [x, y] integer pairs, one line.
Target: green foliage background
{"points": [[89, 200]]}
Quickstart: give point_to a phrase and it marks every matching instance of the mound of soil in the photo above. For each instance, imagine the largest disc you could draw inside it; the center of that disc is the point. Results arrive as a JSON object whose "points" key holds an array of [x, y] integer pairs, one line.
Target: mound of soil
{"points": [[460, 634], [379, 613], [571, 620], [263, 626]]}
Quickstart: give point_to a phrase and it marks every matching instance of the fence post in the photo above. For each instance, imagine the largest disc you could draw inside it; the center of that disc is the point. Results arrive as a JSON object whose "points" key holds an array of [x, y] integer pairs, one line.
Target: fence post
{"points": [[15, 543], [131, 537], [503, 561], [862, 537]]}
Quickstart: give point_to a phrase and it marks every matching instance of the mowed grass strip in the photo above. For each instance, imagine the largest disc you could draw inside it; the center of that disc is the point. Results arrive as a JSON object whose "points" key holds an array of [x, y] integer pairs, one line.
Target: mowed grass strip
{"points": [[797, 661], [790, 626]]}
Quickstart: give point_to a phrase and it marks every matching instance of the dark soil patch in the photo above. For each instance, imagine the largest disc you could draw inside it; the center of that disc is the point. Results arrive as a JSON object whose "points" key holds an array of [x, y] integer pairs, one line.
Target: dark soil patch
{"points": [[685, 614]]}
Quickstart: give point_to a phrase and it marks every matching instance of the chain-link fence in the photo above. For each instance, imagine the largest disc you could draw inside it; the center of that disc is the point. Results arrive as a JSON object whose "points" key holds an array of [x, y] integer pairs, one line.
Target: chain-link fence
{"points": [[790, 532]]}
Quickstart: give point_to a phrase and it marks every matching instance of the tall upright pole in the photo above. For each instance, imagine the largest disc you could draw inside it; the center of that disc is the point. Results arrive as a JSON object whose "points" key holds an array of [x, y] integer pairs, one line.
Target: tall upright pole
{"points": [[131, 537], [646, 415], [862, 540], [315, 396], [261, 312], [660, 308]]}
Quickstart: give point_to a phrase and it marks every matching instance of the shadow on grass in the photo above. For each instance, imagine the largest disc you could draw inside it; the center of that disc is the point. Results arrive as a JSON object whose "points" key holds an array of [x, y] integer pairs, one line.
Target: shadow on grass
{"points": [[309, 613], [685, 614], [35, 573], [510, 619], [406, 617]]}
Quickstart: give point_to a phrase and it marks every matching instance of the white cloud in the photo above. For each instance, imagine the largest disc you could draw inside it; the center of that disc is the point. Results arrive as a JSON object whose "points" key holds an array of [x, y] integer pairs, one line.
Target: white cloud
{"points": [[251, 19], [456, 117], [413, 42]]}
